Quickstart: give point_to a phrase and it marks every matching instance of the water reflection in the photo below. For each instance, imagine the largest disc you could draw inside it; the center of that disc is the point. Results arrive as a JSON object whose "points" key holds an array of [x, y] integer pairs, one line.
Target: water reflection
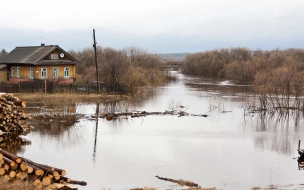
{"points": [[96, 131], [211, 89], [62, 128], [276, 131], [14, 143], [177, 147]]}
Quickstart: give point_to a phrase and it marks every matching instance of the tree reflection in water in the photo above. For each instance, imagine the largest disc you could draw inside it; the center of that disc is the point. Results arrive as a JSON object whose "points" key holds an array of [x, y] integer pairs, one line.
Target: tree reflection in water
{"points": [[61, 127], [276, 131]]}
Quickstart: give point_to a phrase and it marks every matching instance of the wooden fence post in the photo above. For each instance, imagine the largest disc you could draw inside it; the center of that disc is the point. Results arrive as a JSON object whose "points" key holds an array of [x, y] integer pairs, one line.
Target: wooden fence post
{"points": [[44, 86]]}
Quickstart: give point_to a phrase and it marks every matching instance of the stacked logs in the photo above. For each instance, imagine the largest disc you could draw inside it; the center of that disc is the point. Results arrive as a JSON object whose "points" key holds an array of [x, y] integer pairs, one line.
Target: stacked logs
{"points": [[13, 167], [12, 117]]}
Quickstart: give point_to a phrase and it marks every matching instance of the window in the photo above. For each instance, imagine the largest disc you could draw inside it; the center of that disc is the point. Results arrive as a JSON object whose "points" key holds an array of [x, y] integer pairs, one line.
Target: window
{"points": [[54, 56], [66, 72], [18, 72], [43, 72], [12, 72], [31, 72], [55, 72]]}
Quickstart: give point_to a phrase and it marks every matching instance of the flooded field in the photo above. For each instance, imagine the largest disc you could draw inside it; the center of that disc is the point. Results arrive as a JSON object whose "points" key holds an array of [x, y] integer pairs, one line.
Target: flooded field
{"points": [[229, 149]]}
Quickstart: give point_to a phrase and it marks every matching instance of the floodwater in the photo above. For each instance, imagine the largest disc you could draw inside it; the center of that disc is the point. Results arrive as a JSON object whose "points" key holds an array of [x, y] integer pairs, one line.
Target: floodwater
{"points": [[229, 149]]}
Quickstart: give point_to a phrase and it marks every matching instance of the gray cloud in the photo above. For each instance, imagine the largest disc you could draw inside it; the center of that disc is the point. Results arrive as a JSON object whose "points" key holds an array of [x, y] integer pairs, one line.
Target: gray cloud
{"points": [[158, 26]]}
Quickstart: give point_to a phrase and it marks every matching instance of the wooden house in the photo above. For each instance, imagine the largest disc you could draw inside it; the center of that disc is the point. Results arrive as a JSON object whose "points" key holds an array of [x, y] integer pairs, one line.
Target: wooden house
{"points": [[38, 62]]}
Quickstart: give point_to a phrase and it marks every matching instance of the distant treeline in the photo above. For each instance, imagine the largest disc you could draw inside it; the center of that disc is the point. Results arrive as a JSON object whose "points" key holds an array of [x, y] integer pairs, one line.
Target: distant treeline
{"points": [[277, 75], [119, 70], [241, 65]]}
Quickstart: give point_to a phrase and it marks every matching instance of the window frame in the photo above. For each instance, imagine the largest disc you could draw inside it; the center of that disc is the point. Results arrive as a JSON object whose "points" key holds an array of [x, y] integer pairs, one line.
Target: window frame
{"points": [[54, 56], [18, 72], [66, 72], [43, 72], [12, 71], [57, 72], [31, 72]]}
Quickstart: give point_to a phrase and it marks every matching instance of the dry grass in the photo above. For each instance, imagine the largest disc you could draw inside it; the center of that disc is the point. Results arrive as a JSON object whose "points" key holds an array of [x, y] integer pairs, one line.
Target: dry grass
{"points": [[17, 185], [66, 98]]}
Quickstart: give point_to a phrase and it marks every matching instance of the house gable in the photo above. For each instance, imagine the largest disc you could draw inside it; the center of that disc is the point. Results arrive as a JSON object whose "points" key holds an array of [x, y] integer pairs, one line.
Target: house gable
{"points": [[58, 54]]}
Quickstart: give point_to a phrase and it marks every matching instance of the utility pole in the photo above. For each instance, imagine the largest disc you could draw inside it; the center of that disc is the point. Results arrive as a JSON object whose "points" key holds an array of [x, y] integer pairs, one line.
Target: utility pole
{"points": [[97, 77]]}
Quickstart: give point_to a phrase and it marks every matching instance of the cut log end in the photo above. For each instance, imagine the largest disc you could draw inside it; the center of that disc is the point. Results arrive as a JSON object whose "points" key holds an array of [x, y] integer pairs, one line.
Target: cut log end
{"points": [[46, 181], [23, 166], [20, 103], [38, 184], [39, 172], [21, 175], [12, 174]]}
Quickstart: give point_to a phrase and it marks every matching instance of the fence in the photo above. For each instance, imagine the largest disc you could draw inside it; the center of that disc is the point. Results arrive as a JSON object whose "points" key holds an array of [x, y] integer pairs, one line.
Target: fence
{"points": [[48, 87]]}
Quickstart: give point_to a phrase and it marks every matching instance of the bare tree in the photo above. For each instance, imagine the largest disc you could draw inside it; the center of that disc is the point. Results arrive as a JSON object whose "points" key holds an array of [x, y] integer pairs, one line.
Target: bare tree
{"points": [[114, 67]]}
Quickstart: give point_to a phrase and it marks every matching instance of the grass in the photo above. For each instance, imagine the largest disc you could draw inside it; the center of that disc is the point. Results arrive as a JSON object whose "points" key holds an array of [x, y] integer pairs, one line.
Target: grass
{"points": [[69, 97], [17, 185], [53, 100]]}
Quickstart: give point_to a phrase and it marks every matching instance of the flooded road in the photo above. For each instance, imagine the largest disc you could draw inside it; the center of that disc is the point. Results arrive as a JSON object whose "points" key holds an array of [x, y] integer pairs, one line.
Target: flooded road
{"points": [[229, 149]]}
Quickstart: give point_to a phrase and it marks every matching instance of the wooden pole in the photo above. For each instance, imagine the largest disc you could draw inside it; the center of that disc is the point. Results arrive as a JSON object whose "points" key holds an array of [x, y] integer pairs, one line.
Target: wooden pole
{"points": [[97, 77], [299, 145]]}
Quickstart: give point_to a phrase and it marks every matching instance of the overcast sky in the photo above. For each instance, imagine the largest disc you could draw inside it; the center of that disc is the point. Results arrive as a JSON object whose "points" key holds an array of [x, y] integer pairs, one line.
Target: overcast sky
{"points": [[158, 26]]}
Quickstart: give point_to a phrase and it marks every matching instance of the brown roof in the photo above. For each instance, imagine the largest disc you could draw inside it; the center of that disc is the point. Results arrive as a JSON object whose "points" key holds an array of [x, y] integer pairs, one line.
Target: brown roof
{"points": [[31, 55]]}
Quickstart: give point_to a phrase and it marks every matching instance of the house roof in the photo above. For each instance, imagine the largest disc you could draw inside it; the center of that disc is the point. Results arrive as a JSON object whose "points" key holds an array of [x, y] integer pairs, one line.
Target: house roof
{"points": [[2, 66], [32, 55]]}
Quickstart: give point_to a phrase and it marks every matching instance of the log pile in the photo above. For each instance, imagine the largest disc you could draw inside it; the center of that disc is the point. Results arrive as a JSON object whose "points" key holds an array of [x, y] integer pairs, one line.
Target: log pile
{"points": [[13, 168], [12, 116]]}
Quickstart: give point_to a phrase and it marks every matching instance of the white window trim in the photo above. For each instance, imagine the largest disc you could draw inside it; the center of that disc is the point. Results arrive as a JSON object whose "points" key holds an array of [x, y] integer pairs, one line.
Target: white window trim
{"points": [[18, 72], [54, 56], [45, 72], [31, 72], [54, 72], [64, 71], [12, 71]]}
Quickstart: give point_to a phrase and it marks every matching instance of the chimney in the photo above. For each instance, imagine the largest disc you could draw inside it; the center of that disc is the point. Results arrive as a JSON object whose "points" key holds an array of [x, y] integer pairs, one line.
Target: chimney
{"points": [[42, 44]]}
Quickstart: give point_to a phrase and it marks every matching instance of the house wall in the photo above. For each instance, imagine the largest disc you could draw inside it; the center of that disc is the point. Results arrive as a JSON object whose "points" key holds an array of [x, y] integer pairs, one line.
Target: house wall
{"points": [[60, 71], [25, 73], [3, 76]]}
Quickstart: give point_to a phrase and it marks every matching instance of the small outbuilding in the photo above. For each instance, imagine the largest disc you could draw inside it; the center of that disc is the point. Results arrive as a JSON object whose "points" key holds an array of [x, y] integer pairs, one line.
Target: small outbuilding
{"points": [[38, 62]]}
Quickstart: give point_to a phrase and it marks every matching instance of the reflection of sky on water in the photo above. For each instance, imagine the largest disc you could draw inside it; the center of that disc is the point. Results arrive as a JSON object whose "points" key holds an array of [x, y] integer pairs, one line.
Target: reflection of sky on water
{"points": [[226, 150]]}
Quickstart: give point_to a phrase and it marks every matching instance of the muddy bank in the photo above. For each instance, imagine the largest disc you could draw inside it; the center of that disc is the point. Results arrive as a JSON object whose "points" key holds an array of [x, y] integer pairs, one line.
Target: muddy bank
{"points": [[63, 98]]}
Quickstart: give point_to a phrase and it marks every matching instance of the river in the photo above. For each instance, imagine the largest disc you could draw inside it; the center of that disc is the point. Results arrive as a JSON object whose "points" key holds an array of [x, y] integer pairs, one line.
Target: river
{"points": [[229, 149]]}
